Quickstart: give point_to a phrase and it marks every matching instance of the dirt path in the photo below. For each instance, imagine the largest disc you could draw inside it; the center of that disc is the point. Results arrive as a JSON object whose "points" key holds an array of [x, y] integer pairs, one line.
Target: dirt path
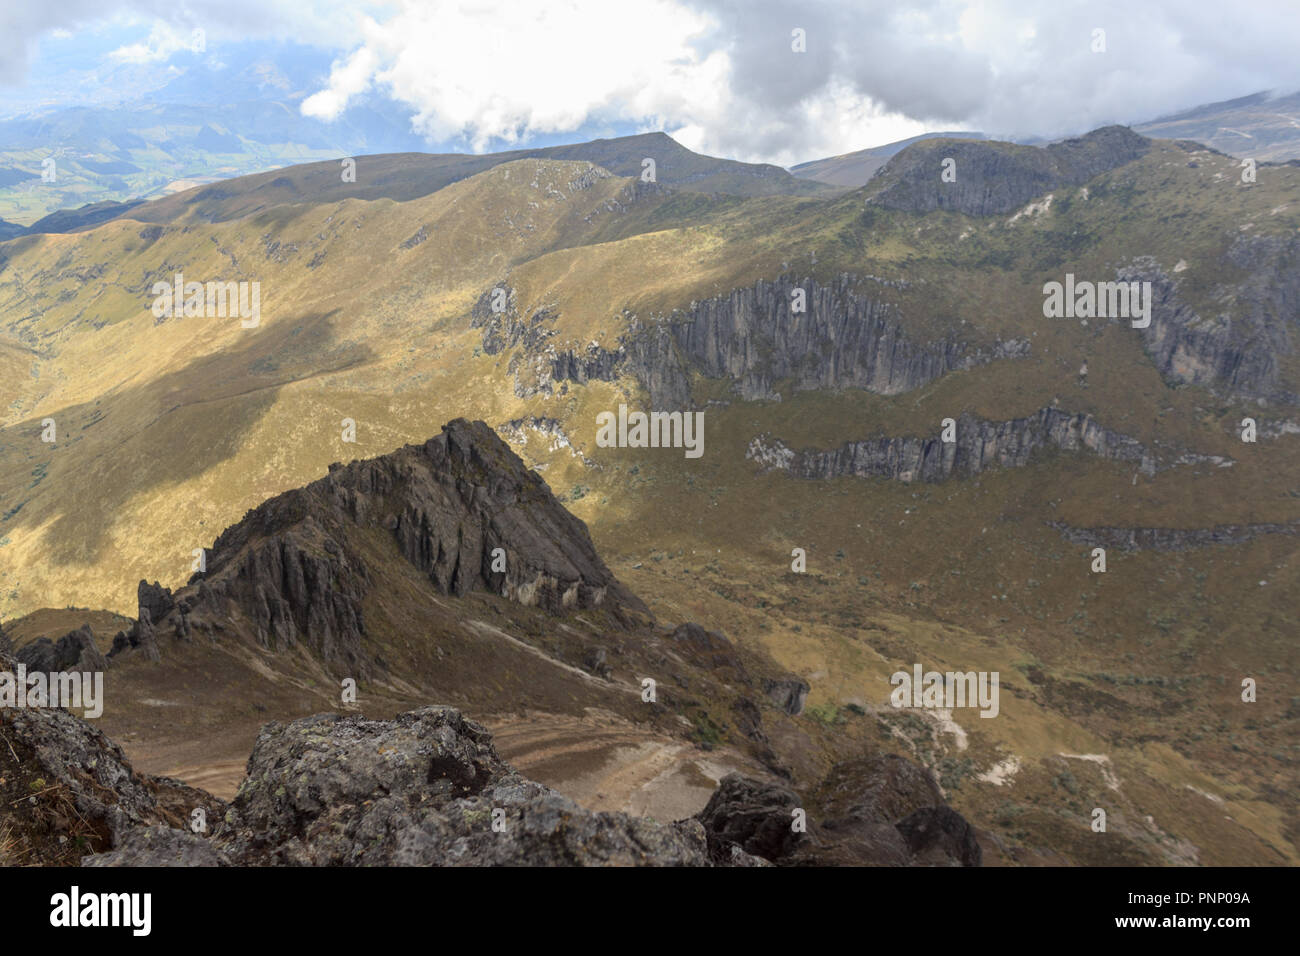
{"points": [[606, 763]]}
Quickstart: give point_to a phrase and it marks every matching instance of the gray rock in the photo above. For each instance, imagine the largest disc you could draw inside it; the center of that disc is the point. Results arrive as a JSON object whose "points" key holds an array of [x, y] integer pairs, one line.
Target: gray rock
{"points": [[75, 651], [848, 338], [753, 815], [424, 789], [996, 178], [881, 789], [979, 445], [1170, 539], [788, 693], [940, 836], [863, 806], [1238, 351], [853, 843], [159, 846], [881, 811], [69, 765], [428, 788], [155, 599]]}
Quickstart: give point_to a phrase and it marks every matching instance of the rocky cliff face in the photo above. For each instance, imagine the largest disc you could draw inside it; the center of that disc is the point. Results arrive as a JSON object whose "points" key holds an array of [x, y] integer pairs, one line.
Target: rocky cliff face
{"points": [[997, 178], [979, 445], [1238, 350], [538, 367], [462, 508], [1169, 539], [846, 338]]}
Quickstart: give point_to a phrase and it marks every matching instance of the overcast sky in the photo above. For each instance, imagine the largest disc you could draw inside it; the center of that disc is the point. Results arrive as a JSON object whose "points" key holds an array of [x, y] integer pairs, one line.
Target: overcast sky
{"points": [[720, 75]]}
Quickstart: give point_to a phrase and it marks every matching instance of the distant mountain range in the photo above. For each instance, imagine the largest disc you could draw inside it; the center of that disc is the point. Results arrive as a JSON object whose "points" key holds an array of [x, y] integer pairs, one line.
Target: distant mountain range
{"points": [[852, 170], [405, 176], [1261, 126], [215, 121]]}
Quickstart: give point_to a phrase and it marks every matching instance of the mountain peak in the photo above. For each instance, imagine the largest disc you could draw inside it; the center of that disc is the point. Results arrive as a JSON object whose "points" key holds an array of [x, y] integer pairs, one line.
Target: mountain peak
{"points": [[993, 178], [461, 508]]}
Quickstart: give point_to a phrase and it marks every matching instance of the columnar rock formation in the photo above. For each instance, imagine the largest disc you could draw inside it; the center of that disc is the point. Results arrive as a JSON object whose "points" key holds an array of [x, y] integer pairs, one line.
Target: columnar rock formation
{"points": [[1169, 539], [846, 338], [75, 651], [978, 445], [842, 336], [1239, 350]]}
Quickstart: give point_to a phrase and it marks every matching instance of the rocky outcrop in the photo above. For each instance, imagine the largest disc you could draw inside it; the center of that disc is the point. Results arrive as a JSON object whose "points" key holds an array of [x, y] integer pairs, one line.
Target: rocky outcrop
{"points": [[993, 178], [978, 445], [867, 810], [940, 836], [424, 789], [75, 651], [752, 814], [462, 508], [548, 369], [879, 811], [516, 430], [881, 789], [1169, 539], [154, 603], [847, 338], [160, 846], [787, 693], [710, 650], [497, 313], [155, 599], [1239, 350], [538, 366], [76, 791]]}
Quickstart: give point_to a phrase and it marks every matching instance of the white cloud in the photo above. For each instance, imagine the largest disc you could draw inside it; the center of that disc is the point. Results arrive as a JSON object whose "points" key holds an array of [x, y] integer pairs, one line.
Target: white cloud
{"points": [[163, 41], [496, 73], [347, 79], [499, 71], [720, 74]]}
